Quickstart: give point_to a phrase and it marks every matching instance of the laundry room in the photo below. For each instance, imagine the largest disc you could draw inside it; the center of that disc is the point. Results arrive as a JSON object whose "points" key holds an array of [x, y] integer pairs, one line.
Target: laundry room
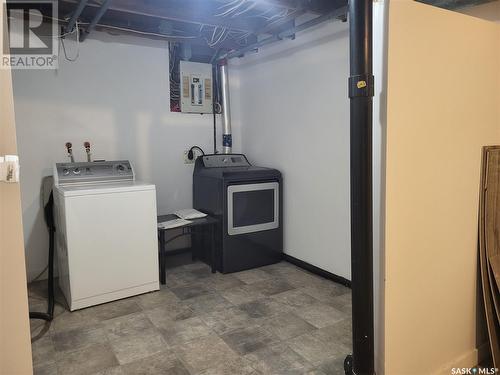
{"points": [[196, 193], [113, 89]]}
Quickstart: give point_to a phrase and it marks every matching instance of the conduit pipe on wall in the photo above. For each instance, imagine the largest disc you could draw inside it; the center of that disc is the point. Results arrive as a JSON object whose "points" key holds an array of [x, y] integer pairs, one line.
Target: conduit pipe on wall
{"points": [[227, 140]]}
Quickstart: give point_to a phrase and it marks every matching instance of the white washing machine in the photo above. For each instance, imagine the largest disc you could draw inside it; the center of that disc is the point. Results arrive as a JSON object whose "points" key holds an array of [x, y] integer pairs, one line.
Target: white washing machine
{"points": [[106, 236]]}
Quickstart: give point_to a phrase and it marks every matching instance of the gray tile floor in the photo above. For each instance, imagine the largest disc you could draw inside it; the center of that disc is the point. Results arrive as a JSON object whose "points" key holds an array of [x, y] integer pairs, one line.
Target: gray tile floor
{"points": [[277, 319]]}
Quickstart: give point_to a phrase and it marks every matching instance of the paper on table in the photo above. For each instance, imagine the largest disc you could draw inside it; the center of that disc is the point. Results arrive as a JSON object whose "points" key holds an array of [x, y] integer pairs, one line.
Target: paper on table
{"points": [[173, 223], [189, 213]]}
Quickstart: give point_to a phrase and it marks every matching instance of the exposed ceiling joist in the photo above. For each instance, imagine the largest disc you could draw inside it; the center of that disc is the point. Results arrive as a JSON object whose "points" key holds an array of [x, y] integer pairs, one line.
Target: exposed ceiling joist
{"points": [[213, 25], [277, 26], [189, 11], [100, 12], [290, 4], [77, 13], [156, 28], [336, 14], [284, 4]]}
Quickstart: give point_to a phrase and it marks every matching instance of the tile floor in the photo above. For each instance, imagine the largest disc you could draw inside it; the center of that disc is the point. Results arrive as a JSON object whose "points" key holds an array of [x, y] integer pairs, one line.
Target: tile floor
{"points": [[277, 319]]}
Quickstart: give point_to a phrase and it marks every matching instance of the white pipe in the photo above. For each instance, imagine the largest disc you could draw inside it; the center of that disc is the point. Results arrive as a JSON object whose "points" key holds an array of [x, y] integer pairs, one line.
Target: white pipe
{"points": [[227, 141]]}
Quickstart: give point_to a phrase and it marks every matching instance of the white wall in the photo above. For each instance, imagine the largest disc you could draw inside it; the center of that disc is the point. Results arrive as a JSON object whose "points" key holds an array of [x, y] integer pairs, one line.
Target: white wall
{"points": [[117, 97], [295, 117], [380, 16]]}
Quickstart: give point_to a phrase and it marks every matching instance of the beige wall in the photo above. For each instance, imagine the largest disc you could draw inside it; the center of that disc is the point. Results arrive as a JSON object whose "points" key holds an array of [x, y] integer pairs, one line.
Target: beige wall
{"points": [[15, 348], [443, 100]]}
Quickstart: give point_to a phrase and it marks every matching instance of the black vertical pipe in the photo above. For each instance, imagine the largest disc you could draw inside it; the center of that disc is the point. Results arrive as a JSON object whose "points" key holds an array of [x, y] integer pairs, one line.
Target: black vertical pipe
{"points": [[361, 94]]}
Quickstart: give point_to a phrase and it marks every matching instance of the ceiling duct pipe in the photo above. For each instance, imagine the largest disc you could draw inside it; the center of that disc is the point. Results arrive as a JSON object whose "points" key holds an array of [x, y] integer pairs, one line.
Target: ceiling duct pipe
{"points": [[227, 138], [186, 52]]}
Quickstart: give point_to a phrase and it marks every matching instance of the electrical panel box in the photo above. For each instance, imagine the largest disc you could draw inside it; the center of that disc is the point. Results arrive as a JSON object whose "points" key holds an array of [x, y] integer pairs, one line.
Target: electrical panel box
{"points": [[196, 87]]}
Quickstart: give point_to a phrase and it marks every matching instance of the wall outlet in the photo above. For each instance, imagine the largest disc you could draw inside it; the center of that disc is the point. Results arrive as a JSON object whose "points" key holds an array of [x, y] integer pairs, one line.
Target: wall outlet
{"points": [[186, 159]]}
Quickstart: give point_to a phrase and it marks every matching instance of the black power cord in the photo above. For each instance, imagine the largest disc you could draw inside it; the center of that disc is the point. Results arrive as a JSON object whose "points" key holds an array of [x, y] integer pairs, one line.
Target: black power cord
{"points": [[190, 154]]}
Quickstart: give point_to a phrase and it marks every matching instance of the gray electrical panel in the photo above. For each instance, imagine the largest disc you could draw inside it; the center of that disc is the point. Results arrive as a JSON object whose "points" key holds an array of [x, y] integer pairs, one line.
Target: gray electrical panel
{"points": [[196, 87]]}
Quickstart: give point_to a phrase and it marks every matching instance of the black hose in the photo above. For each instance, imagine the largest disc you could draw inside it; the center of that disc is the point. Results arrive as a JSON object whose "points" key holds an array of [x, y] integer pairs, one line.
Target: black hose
{"points": [[49, 218], [49, 315]]}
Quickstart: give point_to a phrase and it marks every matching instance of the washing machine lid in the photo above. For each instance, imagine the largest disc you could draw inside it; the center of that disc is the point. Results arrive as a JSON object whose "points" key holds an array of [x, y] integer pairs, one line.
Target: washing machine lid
{"points": [[103, 188]]}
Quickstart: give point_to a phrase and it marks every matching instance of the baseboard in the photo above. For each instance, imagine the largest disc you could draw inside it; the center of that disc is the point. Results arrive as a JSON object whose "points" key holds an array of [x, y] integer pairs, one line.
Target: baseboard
{"points": [[317, 271], [467, 360]]}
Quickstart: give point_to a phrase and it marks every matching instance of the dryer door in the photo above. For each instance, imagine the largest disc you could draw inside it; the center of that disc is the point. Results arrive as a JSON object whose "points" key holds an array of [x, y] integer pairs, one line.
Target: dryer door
{"points": [[252, 207]]}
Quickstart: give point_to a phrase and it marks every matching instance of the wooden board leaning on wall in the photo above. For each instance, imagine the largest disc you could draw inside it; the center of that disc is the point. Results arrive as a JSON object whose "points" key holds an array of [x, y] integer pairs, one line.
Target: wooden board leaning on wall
{"points": [[489, 244]]}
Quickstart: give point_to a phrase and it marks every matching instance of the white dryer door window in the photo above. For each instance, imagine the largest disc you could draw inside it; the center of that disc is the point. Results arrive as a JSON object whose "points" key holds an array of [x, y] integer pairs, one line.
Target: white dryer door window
{"points": [[252, 207]]}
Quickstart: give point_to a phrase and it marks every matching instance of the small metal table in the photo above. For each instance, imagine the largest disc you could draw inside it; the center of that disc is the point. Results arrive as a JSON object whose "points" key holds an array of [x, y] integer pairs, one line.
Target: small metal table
{"points": [[196, 227]]}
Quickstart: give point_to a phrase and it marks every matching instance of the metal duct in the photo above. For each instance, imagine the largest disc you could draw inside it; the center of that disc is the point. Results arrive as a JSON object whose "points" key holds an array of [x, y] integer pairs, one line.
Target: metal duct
{"points": [[186, 52], [227, 138]]}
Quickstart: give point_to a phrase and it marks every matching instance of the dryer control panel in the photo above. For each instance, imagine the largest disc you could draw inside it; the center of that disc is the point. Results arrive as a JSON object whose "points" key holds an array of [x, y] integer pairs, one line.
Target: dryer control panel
{"points": [[93, 172]]}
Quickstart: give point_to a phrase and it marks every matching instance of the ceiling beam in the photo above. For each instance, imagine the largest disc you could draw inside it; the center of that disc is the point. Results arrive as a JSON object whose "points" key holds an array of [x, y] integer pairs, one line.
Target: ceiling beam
{"points": [[103, 8], [189, 11], [311, 6], [285, 34], [145, 29], [325, 6], [74, 17], [289, 4], [286, 4], [199, 44], [277, 26]]}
